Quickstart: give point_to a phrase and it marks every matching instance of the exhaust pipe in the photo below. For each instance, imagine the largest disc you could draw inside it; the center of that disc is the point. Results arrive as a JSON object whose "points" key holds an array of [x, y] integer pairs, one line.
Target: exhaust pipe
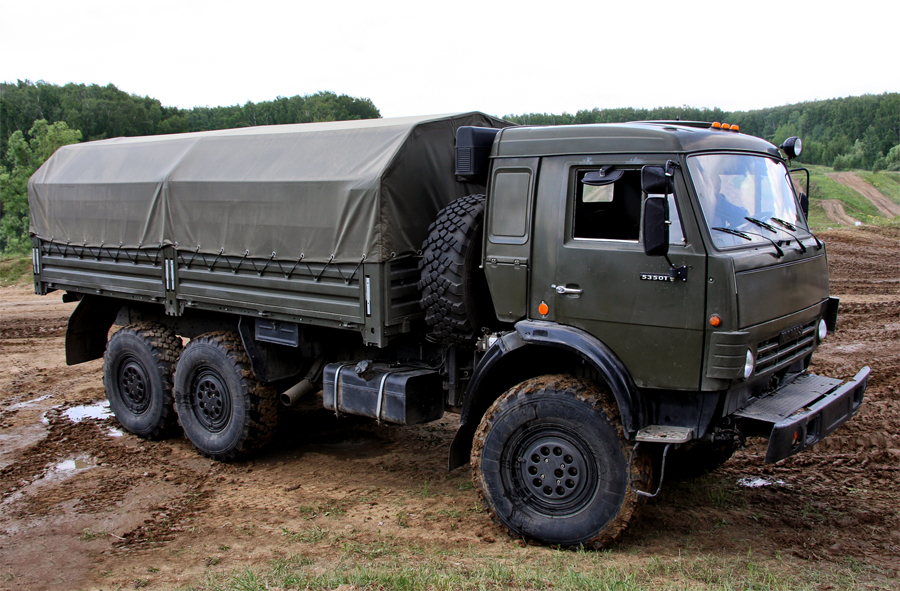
{"points": [[296, 392]]}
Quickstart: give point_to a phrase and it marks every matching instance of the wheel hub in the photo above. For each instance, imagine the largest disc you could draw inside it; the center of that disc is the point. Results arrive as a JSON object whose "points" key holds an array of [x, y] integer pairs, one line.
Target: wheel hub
{"points": [[210, 401], [134, 385], [553, 470]]}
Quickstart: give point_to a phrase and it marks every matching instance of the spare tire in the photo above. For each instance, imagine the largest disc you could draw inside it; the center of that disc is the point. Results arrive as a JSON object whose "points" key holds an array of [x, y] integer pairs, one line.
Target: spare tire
{"points": [[455, 293]]}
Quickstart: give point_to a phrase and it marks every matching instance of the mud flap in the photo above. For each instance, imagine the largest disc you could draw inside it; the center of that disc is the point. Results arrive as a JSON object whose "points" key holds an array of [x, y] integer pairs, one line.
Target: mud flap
{"points": [[88, 327]]}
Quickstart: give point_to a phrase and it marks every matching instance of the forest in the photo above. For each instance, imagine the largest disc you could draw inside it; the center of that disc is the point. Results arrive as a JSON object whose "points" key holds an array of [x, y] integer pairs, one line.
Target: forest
{"points": [[36, 118]]}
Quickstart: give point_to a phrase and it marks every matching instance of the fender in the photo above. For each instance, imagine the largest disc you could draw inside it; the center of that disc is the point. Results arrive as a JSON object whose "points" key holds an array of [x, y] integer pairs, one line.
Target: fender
{"points": [[548, 334]]}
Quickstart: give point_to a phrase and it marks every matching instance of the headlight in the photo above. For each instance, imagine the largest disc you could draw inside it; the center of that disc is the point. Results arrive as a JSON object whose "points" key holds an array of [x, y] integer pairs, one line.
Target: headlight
{"points": [[823, 330], [792, 147], [748, 365]]}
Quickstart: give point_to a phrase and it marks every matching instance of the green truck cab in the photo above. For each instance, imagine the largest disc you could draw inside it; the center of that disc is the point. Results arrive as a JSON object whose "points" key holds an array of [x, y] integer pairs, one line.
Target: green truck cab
{"points": [[603, 305]]}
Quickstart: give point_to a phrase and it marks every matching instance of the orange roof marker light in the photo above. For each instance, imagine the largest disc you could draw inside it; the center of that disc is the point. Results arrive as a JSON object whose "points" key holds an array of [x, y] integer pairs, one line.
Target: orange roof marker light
{"points": [[724, 126]]}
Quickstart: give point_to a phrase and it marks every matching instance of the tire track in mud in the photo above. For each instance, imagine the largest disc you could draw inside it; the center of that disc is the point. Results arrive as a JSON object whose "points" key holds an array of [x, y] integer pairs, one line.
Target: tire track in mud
{"points": [[839, 498]]}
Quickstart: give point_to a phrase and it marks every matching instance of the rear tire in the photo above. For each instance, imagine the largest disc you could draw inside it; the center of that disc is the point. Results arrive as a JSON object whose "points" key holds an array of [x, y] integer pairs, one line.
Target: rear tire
{"points": [[137, 372], [550, 463], [225, 412]]}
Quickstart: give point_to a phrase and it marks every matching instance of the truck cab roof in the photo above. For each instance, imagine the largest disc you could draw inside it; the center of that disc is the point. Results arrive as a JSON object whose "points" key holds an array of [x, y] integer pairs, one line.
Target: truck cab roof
{"points": [[645, 137]]}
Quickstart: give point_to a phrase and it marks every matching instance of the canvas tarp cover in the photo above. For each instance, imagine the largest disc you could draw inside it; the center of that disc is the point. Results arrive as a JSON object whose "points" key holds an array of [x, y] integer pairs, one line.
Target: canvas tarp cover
{"points": [[333, 191]]}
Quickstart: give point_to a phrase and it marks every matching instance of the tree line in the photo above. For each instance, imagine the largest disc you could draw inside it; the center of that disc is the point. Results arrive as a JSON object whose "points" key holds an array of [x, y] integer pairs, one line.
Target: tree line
{"points": [[36, 118], [105, 111], [853, 132]]}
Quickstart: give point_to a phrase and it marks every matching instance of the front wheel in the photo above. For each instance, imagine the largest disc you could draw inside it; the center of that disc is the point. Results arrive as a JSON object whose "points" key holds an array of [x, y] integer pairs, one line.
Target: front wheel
{"points": [[550, 463], [224, 410]]}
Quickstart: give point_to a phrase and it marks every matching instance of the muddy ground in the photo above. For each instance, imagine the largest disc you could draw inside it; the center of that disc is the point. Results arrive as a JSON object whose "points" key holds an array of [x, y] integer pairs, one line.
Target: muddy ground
{"points": [[84, 506]]}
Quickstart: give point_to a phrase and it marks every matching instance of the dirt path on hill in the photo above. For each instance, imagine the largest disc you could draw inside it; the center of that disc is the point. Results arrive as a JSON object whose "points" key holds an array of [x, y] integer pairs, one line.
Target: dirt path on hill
{"points": [[834, 209], [85, 506], [850, 179]]}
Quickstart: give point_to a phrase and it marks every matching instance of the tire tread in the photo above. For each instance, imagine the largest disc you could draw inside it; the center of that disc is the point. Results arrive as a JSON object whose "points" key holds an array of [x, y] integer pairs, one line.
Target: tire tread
{"points": [[262, 400], [165, 348]]}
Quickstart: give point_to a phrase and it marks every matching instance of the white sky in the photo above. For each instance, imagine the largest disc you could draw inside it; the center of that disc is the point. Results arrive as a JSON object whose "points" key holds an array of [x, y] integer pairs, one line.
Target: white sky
{"points": [[424, 57]]}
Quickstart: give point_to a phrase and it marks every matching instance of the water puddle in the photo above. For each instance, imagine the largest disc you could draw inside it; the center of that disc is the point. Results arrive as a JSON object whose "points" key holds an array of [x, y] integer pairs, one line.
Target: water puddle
{"points": [[98, 410], [27, 403], [72, 465], [759, 482]]}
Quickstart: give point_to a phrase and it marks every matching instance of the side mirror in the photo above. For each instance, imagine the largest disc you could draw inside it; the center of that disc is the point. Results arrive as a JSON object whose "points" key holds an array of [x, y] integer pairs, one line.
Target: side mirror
{"points": [[655, 180], [799, 187], [655, 224]]}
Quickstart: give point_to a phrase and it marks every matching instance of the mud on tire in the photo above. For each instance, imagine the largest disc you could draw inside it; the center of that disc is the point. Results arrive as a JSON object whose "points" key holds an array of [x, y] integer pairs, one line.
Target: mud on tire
{"points": [[455, 294], [137, 373], [550, 463], [224, 410]]}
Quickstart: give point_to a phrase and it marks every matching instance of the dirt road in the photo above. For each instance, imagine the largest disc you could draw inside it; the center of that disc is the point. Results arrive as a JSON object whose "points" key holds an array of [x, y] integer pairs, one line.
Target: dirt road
{"points": [[887, 207], [834, 209], [83, 506]]}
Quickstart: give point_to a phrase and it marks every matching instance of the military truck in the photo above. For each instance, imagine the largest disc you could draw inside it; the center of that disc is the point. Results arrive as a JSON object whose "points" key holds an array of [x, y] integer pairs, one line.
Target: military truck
{"points": [[601, 304]]}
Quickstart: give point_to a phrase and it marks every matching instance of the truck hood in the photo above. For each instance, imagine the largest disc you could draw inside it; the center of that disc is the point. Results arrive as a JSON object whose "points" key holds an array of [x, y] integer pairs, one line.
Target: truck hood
{"points": [[772, 292]]}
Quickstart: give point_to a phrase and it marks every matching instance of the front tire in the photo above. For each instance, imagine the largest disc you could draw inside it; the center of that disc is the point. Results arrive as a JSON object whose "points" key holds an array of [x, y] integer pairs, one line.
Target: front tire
{"points": [[224, 410], [550, 463], [137, 373]]}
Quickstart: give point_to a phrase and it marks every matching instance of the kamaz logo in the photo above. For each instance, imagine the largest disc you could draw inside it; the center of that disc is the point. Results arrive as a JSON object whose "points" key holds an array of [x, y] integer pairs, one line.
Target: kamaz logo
{"points": [[790, 335], [655, 277]]}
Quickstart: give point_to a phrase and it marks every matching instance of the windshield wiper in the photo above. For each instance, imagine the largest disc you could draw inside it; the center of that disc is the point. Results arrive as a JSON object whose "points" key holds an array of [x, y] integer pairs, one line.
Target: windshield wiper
{"points": [[792, 228], [743, 235], [762, 224], [787, 225], [746, 236]]}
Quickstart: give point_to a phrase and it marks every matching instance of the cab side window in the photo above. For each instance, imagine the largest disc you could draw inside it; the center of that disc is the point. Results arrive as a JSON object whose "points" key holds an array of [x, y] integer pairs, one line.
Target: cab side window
{"points": [[608, 211]]}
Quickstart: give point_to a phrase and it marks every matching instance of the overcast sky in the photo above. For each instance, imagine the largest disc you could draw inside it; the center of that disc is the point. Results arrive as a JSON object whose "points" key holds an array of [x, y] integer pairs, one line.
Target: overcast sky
{"points": [[423, 57]]}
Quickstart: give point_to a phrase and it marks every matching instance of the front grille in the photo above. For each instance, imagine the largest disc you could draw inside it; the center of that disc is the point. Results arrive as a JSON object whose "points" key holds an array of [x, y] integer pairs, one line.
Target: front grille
{"points": [[788, 346]]}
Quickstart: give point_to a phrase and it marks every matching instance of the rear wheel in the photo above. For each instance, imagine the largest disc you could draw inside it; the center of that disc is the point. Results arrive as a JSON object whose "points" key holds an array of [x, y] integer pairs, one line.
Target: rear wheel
{"points": [[550, 463], [137, 373], [224, 410]]}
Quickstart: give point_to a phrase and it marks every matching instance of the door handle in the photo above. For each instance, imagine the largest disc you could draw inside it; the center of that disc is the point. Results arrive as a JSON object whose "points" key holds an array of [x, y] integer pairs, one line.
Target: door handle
{"points": [[563, 290]]}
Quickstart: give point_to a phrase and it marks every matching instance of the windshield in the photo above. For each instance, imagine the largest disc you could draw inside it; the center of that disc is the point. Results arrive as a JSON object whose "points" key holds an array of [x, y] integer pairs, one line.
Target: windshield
{"points": [[746, 199]]}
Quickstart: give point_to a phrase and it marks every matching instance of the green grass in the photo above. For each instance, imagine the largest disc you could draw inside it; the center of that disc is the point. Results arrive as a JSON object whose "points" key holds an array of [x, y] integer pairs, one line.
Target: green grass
{"points": [[823, 188], [440, 569], [888, 183], [15, 270]]}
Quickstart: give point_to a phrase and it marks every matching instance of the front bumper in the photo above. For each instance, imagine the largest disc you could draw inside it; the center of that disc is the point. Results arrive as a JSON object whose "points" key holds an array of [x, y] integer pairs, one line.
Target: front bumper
{"points": [[802, 412]]}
